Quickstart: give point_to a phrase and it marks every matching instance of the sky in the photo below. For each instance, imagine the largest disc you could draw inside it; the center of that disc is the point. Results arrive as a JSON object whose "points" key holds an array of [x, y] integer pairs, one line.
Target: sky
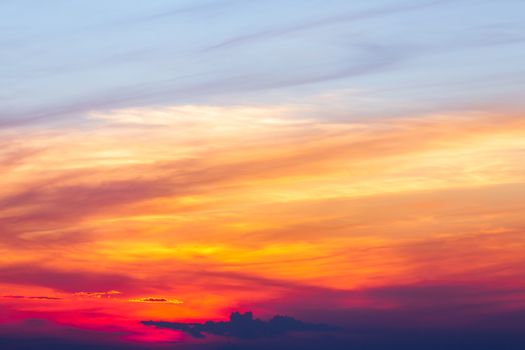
{"points": [[249, 174]]}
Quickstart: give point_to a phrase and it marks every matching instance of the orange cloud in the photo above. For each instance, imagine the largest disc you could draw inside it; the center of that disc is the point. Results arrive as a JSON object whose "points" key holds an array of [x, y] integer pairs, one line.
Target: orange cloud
{"points": [[228, 206], [99, 295], [156, 300]]}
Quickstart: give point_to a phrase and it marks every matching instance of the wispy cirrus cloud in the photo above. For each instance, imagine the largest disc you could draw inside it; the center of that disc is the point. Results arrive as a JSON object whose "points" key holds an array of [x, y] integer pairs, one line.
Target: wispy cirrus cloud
{"points": [[319, 23]]}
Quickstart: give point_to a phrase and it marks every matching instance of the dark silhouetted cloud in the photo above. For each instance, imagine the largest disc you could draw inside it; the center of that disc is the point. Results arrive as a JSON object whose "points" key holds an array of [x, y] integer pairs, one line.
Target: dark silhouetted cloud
{"points": [[244, 326]]}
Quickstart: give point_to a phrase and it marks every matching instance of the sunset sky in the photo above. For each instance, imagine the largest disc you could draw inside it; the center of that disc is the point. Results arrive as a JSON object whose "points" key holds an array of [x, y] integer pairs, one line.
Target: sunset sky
{"points": [[356, 166]]}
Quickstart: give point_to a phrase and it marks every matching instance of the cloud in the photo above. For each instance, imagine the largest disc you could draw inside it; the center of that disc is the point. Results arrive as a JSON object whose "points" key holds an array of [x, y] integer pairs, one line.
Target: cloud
{"points": [[370, 59], [321, 22], [244, 326], [156, 301], [197, 8], [30, 297], [63, 280], [98, 295]]}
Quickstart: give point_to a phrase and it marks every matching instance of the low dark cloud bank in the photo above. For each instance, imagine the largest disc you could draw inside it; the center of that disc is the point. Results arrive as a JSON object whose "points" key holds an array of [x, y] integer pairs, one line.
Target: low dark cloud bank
{"points": [[244, 326]]}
